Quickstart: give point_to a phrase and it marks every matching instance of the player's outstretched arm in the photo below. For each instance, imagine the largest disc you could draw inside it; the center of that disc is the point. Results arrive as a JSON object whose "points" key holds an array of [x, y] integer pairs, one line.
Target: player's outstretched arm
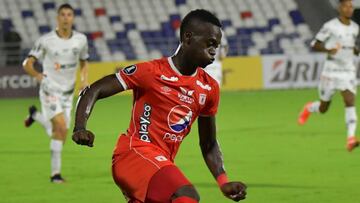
{"points": [[105, 87], [213, 157]]}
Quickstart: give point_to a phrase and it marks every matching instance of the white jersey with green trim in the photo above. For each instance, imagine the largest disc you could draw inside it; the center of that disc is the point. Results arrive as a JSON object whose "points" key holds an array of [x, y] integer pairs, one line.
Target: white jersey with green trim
{"points": [[334, 33], [60, 58]]}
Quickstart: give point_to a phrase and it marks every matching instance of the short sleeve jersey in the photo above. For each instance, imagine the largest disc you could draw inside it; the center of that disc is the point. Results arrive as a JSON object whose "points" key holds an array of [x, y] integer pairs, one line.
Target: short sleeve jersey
{"points": [[166, 103]]}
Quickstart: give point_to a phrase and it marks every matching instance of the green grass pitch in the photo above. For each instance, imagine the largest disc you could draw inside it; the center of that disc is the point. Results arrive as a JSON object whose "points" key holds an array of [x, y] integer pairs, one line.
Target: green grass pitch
{"points": [[263, 146]]}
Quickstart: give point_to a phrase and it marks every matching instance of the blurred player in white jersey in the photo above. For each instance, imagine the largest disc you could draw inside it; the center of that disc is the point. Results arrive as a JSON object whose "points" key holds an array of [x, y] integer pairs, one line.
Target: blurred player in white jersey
{"points": [[60, 52], [338, 39], [215, 69]]}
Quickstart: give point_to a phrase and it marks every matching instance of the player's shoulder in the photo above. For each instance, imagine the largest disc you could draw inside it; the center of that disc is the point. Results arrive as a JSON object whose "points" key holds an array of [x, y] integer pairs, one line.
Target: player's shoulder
{"points": [[332, 22], [155, 64], [79, 35], [205, 79], [48, 36], [354, 25]]}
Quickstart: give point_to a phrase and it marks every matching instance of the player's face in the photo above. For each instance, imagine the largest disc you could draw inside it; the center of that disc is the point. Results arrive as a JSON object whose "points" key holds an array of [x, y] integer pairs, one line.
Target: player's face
{"points": [[346, 9], [201, 48], [65, 18]]}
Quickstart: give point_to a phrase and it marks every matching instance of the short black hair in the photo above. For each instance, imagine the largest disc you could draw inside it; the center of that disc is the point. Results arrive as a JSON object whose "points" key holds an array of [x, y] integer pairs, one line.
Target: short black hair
{"points": [[340, 1], [65, 6], [198, 14]]}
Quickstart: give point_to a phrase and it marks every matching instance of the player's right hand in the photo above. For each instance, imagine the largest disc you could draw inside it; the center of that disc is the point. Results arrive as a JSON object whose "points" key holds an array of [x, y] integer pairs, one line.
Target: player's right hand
{"points": [[83, 137]]}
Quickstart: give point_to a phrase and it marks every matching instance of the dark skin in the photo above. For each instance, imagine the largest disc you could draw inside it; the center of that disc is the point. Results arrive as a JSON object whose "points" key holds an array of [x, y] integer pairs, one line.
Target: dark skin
{"points": [[346, 11], [199, 43]]}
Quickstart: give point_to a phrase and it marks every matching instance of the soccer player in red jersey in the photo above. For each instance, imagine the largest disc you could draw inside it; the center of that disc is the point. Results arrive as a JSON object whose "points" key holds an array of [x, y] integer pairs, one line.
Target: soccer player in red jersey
{"points": [[169, 95]]}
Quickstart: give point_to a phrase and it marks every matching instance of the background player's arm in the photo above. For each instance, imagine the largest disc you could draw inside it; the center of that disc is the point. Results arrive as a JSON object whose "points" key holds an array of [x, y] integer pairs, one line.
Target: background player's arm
{"points": [[213, 157], [224, 49], [28, 66], [84, 73], [105, 87], [320, 47]]}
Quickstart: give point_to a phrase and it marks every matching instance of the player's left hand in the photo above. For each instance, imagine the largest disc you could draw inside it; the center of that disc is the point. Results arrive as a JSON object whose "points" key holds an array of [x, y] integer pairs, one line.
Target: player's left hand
{"points": [[234, 190], [83, 137]]}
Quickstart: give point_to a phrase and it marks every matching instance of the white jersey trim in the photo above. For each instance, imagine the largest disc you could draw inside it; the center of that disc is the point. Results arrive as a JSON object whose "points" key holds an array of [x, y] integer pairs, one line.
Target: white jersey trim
{"points": [[121, 80], [175, 69]]}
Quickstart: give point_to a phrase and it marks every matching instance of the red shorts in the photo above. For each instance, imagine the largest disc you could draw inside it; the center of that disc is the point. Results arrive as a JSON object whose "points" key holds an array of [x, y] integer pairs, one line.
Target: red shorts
{"points": [[134, 164]]}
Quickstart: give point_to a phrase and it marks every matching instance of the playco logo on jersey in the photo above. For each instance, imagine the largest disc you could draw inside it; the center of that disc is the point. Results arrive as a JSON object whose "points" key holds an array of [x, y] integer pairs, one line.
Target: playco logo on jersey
{"points": [[144, 124], [179, 118]]}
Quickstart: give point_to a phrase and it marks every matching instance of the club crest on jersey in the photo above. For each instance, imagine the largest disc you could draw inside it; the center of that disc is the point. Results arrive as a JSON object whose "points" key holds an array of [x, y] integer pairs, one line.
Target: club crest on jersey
{"points": [[202, 99], [130, 70], [179, 118]]}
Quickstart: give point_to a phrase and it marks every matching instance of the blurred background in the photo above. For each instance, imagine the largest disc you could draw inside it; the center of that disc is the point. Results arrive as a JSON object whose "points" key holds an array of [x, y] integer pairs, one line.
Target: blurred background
{"points": [[123, 30]]}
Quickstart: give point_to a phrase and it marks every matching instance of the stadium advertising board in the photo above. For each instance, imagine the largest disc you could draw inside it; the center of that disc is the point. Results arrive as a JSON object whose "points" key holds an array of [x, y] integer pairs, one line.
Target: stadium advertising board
{"points": [[297, 71], [14, 82], [242, 73]]}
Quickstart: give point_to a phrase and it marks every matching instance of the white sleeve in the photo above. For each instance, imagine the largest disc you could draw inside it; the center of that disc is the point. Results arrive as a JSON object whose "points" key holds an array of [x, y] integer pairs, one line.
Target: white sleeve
{"points": [[84, 53], [38, 50], [324, 33]]}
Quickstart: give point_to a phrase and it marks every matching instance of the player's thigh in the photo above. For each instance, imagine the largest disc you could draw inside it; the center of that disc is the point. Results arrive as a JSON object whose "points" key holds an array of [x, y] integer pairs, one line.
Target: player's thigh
{"points": [[327, 88], [169, 183], [133, 168], [50, 104], [66, 104]]}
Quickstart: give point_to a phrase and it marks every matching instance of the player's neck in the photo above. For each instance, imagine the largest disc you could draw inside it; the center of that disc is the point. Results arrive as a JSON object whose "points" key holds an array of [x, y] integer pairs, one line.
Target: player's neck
{"points": [[344, 20], [64, 33], [183, 65]]}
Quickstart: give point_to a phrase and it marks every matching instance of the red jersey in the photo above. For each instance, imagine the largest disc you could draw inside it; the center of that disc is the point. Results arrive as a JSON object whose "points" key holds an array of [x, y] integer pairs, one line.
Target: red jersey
{"points": [[166, 103]]}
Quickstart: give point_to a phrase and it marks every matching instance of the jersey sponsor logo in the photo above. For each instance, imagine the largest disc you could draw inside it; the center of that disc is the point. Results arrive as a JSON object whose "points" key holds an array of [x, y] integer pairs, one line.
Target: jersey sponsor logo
{"points": [[161, 158], [205, 87], [59, 66], [169, 137], [187, 92], [144, 124], [202, 99], [185, 98], [171, 79], [179, 118], [130, 70]]}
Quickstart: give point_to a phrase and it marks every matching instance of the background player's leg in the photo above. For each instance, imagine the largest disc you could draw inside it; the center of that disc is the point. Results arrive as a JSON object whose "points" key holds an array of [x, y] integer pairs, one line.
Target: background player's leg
{"points": [[56, 145], [350, 118], [326, 91], [170, 185], [39, 117]]}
